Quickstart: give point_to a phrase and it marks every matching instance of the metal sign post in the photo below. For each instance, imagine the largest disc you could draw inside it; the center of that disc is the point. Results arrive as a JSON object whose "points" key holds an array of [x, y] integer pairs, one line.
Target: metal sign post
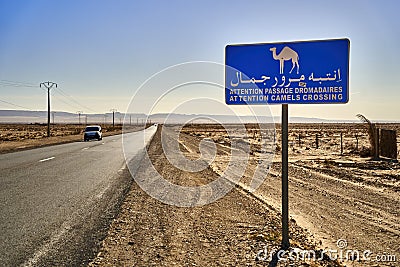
{"points": [[285, 178], [305, 72]]}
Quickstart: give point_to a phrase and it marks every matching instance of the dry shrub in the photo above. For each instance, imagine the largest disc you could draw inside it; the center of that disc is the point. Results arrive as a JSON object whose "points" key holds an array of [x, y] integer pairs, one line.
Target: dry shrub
{"points": [[371, 127]]}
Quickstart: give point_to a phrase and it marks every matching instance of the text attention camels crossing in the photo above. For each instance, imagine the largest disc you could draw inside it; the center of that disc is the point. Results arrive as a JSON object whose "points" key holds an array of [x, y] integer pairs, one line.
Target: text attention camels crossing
{"points": [[286, 54]]}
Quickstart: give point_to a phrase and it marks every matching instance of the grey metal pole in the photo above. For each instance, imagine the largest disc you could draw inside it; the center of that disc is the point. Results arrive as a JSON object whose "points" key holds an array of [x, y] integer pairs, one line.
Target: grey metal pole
{"points": [[113, 112], [285, 189], [79, 116], [48, 111], [48, 85]]}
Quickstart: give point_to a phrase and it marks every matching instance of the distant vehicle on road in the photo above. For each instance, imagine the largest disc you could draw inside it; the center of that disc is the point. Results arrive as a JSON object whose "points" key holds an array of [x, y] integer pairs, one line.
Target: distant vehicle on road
{"points": [[92, 132]]}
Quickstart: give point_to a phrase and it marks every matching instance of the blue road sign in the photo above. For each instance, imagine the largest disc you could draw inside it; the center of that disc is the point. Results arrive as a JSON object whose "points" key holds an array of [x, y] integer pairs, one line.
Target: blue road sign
{"points": [[306, 72]]}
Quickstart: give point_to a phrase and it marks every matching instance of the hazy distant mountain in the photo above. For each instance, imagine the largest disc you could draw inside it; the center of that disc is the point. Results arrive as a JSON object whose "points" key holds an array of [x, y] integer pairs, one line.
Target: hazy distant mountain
{"points": [[23, 116]]}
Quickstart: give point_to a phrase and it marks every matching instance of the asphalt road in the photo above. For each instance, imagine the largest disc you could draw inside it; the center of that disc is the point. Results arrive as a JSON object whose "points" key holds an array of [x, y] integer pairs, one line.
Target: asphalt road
{"points": [[56, 202]]}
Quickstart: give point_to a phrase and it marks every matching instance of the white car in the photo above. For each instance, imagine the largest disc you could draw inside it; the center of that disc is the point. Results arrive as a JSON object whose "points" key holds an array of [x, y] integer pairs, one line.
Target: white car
{"points": [[92, 132]]}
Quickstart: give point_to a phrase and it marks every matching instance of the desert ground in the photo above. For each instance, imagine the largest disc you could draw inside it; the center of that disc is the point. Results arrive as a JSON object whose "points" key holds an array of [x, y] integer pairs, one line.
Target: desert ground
{"points": [[333, 195], [336, 192]]}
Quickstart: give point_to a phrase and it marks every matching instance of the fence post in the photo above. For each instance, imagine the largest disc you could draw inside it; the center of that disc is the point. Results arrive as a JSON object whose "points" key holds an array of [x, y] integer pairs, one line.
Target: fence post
{"points": [[341, 143], [376, 150], [356, 142]]}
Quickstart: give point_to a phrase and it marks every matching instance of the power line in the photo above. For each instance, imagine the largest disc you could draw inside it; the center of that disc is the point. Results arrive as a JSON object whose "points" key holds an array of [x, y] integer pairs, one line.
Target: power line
{"points": [[12, 104], [20, 84], [16, 84], [58, 96], [9, 81], [72, 99], [71, 102]]}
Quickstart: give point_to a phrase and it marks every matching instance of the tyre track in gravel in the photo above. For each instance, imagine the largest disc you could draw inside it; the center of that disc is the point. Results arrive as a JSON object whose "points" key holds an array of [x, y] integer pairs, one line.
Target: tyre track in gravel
{"points": [[331, 209], [367, 209]]}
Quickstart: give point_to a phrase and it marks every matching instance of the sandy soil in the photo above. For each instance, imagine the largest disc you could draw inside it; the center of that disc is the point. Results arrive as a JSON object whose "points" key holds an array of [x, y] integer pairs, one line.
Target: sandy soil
{"points": [[333, 195], [228, 232]]}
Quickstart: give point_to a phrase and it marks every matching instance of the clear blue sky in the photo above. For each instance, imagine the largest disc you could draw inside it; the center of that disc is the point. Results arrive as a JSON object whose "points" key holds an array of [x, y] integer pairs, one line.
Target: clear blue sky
{"points": [[99, 52]]}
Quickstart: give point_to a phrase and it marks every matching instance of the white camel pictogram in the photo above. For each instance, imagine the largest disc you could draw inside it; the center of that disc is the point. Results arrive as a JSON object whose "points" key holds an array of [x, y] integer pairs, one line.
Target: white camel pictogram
{"points": [[286, 54]]}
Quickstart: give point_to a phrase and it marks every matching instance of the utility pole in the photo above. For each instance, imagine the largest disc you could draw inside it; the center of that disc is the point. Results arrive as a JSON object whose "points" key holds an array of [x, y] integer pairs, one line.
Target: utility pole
{"points": [[113, 111], [48, 86], [79, 116]]}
